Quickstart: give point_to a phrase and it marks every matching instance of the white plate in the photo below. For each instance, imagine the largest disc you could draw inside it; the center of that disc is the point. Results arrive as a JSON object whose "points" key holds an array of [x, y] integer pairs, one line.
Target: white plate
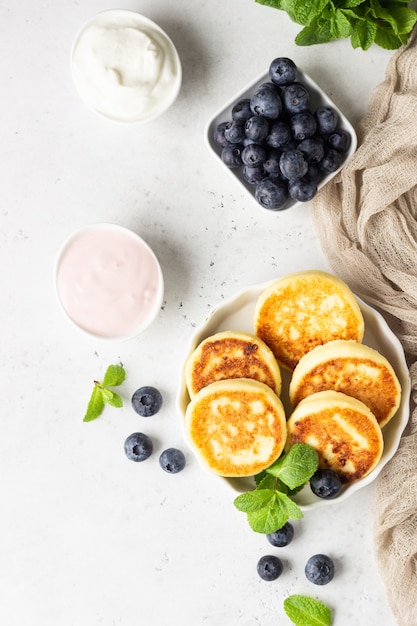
{"points": [[237, 314], [317, 98]]}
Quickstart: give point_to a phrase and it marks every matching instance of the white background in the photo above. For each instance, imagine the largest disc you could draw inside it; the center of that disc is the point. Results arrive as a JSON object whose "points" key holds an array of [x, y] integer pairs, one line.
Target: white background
{"points": [[88, 538]]}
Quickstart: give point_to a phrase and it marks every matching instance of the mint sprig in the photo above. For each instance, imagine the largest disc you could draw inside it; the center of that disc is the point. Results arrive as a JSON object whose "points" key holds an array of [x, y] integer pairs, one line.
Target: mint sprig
{"points": [[269, 506], [387, 23], [102, 395], [307, 611]]}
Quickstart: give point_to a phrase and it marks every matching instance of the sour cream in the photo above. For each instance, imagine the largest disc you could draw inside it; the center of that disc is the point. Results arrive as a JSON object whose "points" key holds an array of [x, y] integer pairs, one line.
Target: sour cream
{"points": [[109, 281], [125, 67]]}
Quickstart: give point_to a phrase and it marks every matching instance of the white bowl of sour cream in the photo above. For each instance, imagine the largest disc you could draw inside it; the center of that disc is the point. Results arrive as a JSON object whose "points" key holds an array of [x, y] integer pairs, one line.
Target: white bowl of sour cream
{"points": [[109, 281], [125, 67]]}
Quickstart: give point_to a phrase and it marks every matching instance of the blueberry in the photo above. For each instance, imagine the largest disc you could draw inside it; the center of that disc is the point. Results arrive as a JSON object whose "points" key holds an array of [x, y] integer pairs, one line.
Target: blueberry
{"points": [[303, 189], [257, 127], [266, 102], [172, 460], [325, 483], [279, 135], [269, 567], [312, 149], [293, 165], [319, 569], [303, 125], [271, 86], [271, 164], [331, 161], [254, 175], [241, 110], [339, 140], [282, 537], [254, 154], [232, 156], [271, 194], [282, 71], [138, 447], [146, 401], [314, 172], [218, 135], [235, 131], [296, 98], [326, 118]]}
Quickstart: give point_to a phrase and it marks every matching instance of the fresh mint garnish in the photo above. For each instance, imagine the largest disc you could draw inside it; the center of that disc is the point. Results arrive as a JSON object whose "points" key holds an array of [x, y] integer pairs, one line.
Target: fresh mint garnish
{"points": [[307, 611], [296, 467], [102, 395], [385, 23], [269, 506]]}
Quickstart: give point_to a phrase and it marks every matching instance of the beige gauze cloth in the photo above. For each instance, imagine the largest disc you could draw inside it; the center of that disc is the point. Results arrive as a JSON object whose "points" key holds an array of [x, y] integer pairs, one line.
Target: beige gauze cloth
{"points": [[366, 221]]}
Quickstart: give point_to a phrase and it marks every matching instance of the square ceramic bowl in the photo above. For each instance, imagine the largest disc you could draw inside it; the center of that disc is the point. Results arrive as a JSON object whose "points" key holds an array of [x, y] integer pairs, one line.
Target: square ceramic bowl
{"points": [[317, 98]]}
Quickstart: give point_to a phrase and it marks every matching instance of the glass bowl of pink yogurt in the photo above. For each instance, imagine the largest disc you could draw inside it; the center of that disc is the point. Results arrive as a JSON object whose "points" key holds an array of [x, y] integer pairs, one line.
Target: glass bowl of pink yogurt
{"points": [[109, 282]]}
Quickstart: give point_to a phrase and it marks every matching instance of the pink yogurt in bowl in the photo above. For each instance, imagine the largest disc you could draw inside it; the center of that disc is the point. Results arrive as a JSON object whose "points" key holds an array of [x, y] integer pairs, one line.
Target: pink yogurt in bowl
{"points": [[109, 281]]}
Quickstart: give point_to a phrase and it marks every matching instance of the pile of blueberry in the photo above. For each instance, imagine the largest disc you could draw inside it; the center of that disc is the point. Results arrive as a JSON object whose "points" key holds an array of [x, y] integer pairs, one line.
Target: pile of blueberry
{"points": [[284, 149]]}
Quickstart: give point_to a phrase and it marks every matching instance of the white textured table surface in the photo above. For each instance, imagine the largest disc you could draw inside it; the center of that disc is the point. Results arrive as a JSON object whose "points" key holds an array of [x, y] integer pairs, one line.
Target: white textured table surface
{"points": [[88, 538]]}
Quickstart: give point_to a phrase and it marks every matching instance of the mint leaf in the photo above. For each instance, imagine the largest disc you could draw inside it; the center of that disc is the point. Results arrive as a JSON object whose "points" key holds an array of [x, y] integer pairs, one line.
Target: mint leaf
{"points": [[303, 12], [115, 400], [95, 405], [101, 395], [114, 376], [297, 466], [306, 611], [289, 506], [267, 509], [388, 40], [254, 500], [268, 519], [388, 23]]}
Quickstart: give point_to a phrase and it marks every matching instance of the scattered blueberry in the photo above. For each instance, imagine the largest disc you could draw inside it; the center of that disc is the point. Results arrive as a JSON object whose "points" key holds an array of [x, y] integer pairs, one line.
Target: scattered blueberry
{"points": [[269, 567], [303, 189], [241, 110], [293, 164], [147, 401], [282, 537], [327, 119], [138, 447], [272, 194], [267, 102], [319, 569], [257, 128], [325, 483], [296, 98], [282, 71], [172, 460]]}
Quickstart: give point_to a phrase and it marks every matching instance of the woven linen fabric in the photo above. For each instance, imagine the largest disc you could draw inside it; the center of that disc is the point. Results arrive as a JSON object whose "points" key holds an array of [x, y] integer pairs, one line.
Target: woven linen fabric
{"points": [[365, 219]]}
